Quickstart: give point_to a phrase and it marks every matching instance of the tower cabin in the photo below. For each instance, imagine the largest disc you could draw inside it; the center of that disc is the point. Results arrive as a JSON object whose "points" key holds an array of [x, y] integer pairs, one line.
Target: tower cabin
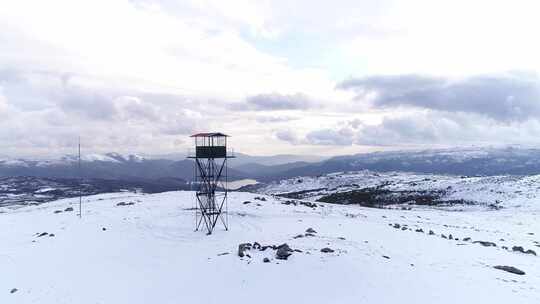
{"points": [[210, 145]]}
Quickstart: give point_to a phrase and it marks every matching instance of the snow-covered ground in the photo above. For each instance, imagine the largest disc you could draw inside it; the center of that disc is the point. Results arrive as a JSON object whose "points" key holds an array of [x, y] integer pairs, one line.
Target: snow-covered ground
{"points": [[148, 253], [511, 191]]}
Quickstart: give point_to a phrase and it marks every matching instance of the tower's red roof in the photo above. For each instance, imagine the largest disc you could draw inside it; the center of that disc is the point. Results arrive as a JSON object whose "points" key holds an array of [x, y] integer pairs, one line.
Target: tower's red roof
{"points": [[213, 134]]}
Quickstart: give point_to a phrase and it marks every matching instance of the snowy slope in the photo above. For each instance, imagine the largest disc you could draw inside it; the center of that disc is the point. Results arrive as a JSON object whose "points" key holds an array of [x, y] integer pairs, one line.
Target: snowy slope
{"points": [[508, 191], [148, 253]]}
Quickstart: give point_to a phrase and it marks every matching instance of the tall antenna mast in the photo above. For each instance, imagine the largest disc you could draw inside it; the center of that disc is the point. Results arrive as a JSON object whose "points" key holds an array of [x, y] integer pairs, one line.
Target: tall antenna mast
{"points": [[80, 181]]}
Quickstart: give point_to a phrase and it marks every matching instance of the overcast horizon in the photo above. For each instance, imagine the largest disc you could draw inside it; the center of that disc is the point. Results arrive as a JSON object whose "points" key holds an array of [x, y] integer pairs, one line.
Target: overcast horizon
{"points": [[309, 77]]}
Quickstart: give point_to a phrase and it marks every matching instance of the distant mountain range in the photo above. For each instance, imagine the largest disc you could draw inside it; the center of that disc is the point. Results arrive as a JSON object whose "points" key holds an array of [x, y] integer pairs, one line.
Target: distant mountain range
{"points": [[460, 161]]}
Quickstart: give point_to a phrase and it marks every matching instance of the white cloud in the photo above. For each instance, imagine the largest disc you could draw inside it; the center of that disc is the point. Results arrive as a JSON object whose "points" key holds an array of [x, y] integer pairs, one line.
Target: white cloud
{"points": [[140, 75]]}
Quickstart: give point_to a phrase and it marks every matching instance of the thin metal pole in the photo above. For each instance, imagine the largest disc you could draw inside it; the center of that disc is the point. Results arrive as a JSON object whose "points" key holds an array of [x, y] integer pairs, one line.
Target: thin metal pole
{"points": [[80, 181]]}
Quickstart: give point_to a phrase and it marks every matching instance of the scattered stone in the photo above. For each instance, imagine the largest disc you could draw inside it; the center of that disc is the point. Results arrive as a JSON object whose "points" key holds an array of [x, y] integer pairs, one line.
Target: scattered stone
{"points": [[485, 243], [43, 234], [518, 249], [283, 252], [308, 204], [510, 269], [68, 209], [530, 251], [14, 290], [243, 247], [311, 230], [327, 250], [420, 230], [467, 239], [266, 260], [57, 211], [431, 232]]}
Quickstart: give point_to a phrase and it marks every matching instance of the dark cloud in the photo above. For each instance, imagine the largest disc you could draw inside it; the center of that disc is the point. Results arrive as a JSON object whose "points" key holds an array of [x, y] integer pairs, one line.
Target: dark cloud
{"points": [[329, 137], [287, 135], [275, 101], [88, 104], [274, 119], [509, 97]]}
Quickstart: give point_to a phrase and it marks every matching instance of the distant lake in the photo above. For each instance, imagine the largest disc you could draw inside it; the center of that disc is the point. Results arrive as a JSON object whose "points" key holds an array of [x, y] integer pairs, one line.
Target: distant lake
{"points": [[241, 183]]}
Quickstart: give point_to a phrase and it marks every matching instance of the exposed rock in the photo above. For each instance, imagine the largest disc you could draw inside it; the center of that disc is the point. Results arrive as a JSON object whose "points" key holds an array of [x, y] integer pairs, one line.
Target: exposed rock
{"points": [[420, 230], [223, 253], [121, 204], [431, 232], [298, 236], [68, 209], [309, 234], [283, 252], [510, 269], [518, 249], [242, 248], [246, 202], [327, 250], [530, 251], [397, 226], [341, 238], [467, 239], [485, 243], [504, 247], [450, 237], [266, 260], [311, 230], [43, 234], [386, 257], [57, 211], [14, 290], [103, 229], [256, 246], [51, 235], [443, 236]]}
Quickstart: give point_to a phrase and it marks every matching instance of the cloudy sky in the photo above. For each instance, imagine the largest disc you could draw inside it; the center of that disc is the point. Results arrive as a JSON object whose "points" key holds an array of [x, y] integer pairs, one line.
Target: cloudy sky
{"points": [[314, 77]]}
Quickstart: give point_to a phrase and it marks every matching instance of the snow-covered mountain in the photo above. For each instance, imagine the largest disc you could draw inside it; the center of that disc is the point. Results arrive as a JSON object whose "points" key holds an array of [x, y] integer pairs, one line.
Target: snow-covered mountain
{"points": [[474, 161], [457, 161]]}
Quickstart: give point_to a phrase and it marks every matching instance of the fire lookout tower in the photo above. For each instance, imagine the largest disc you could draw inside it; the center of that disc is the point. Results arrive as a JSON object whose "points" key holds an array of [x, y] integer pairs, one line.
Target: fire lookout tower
{"points": [[210, 177]]}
